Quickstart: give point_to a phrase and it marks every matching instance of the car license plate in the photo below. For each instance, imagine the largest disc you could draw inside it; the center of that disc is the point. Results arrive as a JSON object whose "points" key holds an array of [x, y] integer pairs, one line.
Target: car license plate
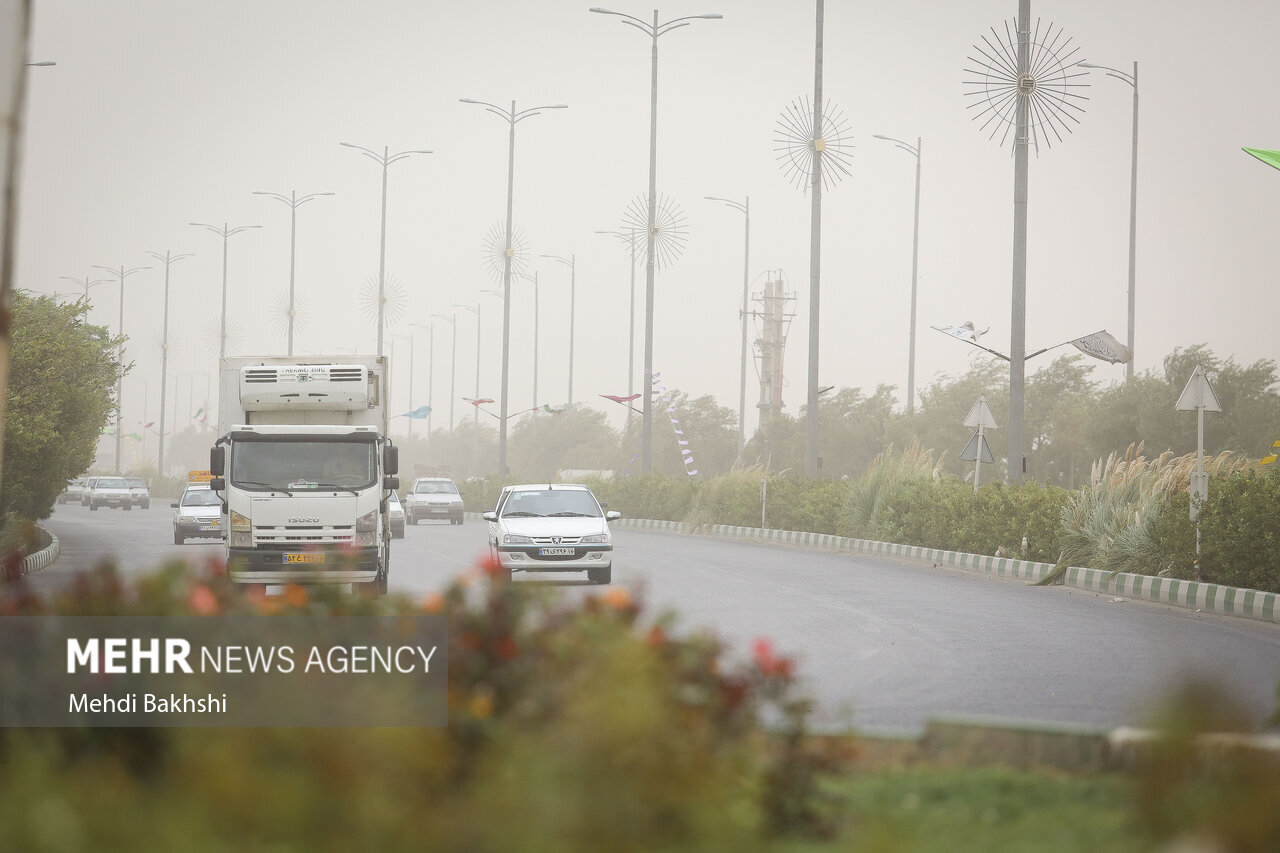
{"points": [[555, 552], [213, 525], [304, 558]]}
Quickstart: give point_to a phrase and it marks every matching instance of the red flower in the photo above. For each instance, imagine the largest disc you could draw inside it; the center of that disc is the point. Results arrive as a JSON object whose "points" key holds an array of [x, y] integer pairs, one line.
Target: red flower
{"points": [[202, 600], [505, 648], [767, 662]]}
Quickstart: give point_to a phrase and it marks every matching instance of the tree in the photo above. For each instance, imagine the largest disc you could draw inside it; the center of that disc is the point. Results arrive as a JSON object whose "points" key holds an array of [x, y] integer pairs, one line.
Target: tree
{"points": [[543, 443], [62, 385]]}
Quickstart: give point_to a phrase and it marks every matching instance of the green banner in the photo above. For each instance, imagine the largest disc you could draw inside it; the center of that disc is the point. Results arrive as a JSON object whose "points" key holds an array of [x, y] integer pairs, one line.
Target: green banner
{"points": [[1271, 158]]}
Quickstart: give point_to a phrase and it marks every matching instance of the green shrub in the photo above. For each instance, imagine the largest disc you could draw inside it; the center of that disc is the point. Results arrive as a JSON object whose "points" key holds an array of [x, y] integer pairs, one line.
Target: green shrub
{"points": [[658, 496], [948, 515], [1240, 543]]}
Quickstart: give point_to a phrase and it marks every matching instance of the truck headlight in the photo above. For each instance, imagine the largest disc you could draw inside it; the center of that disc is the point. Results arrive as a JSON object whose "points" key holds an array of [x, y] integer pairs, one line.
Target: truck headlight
{"points": [[516, 539], [241, 539], [367, 522], [595, 539], [240, 522]]}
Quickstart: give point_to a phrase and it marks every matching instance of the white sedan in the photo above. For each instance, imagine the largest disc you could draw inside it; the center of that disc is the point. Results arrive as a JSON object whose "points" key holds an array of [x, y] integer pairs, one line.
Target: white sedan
{"points": [[552, 528]]}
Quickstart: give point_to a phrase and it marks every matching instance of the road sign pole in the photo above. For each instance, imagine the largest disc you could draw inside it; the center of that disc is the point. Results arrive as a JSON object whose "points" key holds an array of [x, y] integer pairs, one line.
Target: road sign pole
{"points": [[977, 459]]}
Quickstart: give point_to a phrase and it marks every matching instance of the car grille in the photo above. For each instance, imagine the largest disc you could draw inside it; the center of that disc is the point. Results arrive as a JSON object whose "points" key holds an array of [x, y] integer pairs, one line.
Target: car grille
{"points": [[292, 537], [556, 540]]}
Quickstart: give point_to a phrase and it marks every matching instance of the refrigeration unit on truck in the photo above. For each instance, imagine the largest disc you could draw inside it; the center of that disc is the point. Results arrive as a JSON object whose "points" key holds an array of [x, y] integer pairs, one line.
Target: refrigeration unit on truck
{"points": [[305, 467]]}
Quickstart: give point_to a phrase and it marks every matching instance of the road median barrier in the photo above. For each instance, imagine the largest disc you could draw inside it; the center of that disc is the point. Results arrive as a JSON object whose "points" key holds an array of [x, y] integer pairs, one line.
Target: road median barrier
{"points": [[1192, 595]]}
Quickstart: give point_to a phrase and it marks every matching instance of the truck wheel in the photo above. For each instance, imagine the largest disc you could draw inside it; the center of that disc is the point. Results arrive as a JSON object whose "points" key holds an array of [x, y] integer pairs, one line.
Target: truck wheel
{"points": [[601, 575], [178, 538]]}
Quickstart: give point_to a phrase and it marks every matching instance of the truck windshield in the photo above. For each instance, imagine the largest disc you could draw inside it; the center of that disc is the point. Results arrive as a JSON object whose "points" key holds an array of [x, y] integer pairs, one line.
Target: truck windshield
{"points": [[301, 465]]}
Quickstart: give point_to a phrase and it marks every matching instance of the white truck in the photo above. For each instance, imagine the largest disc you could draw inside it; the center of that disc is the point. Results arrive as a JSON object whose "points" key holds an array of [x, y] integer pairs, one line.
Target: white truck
{"points": [[304, 465]]}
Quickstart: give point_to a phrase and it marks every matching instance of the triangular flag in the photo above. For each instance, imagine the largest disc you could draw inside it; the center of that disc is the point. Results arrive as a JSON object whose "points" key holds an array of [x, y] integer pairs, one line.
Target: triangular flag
{"points": [[547, 408], [615, 398], [417, 414]]}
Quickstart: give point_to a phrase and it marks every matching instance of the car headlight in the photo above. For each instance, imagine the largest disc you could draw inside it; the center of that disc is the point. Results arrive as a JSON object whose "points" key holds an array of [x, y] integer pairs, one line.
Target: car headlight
{"points": [[594, 539], [367, 522], [240, 523], [516, 539]]}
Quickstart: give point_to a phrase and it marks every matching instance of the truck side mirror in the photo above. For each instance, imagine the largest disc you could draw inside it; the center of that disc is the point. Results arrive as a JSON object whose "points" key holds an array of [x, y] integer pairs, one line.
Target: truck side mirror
{"points": [[217, 484], [217, 460], [391, 483], [391, 460]]}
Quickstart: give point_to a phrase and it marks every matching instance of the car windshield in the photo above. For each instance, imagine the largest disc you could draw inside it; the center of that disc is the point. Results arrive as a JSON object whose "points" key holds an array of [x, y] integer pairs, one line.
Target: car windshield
{"points": [[110, 483], [551, 502], [136, 482], [201, 497], [443, 487], [293, 465]]}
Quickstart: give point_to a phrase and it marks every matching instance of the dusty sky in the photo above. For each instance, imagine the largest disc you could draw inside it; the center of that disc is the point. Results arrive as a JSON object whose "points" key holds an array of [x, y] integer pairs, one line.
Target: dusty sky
{"points": [[164, 112]]}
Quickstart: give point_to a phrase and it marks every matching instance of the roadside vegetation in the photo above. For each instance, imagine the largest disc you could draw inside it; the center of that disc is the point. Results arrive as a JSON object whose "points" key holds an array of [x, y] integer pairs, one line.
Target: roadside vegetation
{"points": [[579, 727]]}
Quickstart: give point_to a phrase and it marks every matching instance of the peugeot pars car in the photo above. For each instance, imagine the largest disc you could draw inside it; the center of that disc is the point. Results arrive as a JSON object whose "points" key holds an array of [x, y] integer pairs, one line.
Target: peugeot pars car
{"points": [[433, 497], [551, 528], [110, 491], [197, 515]]}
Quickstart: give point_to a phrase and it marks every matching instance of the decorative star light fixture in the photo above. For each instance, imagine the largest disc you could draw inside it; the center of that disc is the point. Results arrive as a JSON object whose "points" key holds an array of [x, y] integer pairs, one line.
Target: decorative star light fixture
{"points": [[670, 234], [795, 144]]}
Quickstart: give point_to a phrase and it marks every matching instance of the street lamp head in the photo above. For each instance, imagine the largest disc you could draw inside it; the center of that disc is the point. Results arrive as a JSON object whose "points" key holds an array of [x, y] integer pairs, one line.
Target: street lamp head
{"points": [[43, 63], [468, 100], [602, 11], [714, 16]]}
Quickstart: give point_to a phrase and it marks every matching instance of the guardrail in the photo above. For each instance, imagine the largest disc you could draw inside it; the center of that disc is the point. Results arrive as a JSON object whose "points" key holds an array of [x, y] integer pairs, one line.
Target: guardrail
{"points": [[1207, 597], [42, 558]]}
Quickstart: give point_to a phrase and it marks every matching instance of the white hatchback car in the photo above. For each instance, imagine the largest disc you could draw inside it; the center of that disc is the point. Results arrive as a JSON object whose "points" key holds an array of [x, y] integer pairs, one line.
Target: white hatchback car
{"points": [[433, 497], [552, 528]]}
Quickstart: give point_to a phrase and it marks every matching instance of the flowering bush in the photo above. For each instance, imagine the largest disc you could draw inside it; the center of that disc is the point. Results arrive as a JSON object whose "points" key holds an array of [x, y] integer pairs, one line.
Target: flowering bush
{"points": [[573, 725]]}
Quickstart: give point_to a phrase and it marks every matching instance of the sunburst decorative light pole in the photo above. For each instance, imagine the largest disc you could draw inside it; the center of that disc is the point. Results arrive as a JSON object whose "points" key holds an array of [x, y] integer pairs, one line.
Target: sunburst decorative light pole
{"points": [[1023, 81], [655, 31], [294, 203], [512, 117], [807, 140], [226, 232], [167, 259], [631, 237], [385, 159]]}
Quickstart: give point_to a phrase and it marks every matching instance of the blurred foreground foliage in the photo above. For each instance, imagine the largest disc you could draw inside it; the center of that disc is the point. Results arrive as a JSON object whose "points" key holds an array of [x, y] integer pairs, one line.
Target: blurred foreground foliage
{"points": [[572, 726]]}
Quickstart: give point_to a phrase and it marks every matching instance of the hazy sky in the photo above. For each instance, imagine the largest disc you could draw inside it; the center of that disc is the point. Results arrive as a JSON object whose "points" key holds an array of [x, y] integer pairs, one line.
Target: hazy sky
{"points": [[166, 112]]}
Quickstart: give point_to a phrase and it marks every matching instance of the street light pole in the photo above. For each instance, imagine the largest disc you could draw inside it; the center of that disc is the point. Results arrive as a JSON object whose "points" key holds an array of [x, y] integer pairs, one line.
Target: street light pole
{"points": [[121, 273], [167, 259], [512, 118], [226, 232], [571, 263], [1132, 80], [453, 359], [385, 159], [536, 325], [914, 151], [743, 207], [654, 31], [475, 426], [294, 203], [630, 237]]}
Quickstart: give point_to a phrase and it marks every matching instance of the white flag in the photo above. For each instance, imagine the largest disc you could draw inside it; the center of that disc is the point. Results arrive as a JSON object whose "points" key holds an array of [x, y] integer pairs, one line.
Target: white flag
{"points": [[1102, 345], [965, 331]]}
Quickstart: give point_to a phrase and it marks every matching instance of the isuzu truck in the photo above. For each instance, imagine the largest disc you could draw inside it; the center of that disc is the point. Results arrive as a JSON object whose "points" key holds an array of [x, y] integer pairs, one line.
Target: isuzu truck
{"points": [[305, 467]]}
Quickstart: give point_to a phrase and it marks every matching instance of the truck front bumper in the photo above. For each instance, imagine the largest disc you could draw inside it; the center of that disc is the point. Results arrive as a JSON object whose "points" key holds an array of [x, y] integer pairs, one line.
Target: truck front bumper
{"points": [[278, 566]]}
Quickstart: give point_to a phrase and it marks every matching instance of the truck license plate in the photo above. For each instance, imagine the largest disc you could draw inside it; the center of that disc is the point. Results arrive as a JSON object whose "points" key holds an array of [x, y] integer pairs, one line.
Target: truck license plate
{"points": [[555, 552], [304, 558]]}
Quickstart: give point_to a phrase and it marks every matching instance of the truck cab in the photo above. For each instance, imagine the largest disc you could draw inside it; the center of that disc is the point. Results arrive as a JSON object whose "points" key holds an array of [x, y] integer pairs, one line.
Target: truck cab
{"points": [[305, 472]]}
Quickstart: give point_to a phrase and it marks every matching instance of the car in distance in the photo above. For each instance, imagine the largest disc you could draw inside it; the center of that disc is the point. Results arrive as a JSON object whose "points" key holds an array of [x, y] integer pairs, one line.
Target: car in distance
{"points": [[396, 517], [551, 527], [111, 491], [89, 483], [73, 493], [197, 515], [433, 497], [138, 489]]}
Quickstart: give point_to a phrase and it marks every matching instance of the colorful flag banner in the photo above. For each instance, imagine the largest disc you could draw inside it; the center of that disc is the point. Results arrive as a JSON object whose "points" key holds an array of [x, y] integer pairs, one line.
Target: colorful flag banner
{"points": [[478, 402], [550, 411], [417, 414], [660, 391]]}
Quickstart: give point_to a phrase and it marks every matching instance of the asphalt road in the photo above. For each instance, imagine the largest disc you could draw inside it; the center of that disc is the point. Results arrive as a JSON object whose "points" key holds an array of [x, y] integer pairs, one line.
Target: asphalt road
{"points": [[880, 644]]}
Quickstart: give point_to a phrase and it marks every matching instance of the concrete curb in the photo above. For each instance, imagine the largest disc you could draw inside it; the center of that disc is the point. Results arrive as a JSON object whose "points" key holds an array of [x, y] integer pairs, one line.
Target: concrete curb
{"points": [[42, 558], [1206, 597]]}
